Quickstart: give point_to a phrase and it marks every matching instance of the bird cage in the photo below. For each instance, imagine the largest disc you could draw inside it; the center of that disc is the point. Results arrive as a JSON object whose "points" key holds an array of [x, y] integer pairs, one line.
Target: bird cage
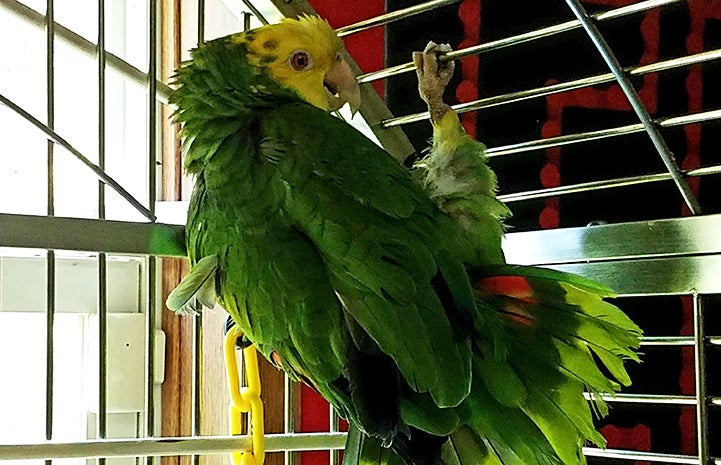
{"points": [[602, 123]]}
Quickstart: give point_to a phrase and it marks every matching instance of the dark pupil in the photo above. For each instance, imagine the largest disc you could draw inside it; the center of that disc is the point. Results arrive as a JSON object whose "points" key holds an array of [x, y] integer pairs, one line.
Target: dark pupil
{"points": [[300, 60]]}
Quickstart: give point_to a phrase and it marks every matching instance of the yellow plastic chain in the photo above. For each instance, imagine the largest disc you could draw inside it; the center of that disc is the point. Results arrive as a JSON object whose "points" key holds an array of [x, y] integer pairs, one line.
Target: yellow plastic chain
{"points": [[245, 399]]}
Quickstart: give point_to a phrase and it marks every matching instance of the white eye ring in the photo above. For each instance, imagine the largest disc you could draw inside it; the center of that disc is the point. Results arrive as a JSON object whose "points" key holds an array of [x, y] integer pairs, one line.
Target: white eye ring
{"points": [[300, 60]]}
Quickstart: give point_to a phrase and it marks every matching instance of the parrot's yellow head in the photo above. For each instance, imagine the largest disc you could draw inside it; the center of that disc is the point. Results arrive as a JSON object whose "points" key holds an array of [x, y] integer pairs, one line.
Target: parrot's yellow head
{"points": [[306, 55]]}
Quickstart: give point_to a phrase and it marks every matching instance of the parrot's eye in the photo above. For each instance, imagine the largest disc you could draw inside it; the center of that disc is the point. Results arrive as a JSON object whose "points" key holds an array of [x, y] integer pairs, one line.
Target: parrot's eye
{"points": [[300, 60]]}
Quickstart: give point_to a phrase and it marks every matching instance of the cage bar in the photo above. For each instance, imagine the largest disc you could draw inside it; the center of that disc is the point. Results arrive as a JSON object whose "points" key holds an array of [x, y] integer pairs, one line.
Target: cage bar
{"points": [[702, 429], [167, 446], [50, 254], [81, 44], [392, 16], [101, 174], [637, 104], [521, 38], [526, 94], [151, 263]]}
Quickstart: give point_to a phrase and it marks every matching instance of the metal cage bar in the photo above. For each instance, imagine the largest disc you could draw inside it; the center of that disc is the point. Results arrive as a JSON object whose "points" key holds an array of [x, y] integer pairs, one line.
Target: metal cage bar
{"points": [[392, 16], [521, 38], [151, 262], [57, 139], [637, 104], [50, 254], [513, 97]]}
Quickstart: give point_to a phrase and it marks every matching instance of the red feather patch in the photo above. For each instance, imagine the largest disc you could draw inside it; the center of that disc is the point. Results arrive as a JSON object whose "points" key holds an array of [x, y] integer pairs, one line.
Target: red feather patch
{"points": [[511, 286], [516, 288]]}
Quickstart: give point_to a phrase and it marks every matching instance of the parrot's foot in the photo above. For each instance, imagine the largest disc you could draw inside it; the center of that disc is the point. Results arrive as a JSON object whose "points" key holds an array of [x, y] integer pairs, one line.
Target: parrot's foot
{"points": [[433, 77]]}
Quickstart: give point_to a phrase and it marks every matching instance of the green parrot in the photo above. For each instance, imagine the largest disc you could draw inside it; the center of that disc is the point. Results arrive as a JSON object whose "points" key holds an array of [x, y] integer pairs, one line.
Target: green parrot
{"points": [[385, 289]]}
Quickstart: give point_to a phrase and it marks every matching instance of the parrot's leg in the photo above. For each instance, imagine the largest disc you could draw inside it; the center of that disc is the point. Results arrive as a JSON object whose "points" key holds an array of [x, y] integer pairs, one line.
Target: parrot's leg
{"points": [[434, 73]]}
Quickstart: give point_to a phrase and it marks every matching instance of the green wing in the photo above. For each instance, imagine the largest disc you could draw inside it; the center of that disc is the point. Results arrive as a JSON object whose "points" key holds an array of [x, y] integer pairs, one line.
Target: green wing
{"points": [[379, 236], [198, 284]]}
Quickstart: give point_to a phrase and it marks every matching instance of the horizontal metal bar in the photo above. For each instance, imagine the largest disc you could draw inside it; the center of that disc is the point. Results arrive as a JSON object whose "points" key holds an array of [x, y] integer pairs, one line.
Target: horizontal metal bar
{"points": [[101, 174], [676, 237], [521, 38], [559, 141], [665, 341], [392, 16], [84, 45], [116, 237], [569, 139], [603, 184], [649, 399], [654, 276], [223, 444], [670, 238], [654, 399], [527, 94], [645, 456], [168, 446]]}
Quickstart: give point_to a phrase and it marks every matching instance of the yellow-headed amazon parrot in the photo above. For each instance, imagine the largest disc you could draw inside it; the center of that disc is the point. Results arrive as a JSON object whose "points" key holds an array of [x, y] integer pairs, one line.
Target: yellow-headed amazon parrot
{"points": [[383, 288]]}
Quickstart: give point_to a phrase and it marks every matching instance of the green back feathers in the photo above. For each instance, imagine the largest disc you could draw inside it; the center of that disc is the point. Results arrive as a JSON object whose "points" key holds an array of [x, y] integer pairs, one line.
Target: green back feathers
{"points": [[217, 94]]}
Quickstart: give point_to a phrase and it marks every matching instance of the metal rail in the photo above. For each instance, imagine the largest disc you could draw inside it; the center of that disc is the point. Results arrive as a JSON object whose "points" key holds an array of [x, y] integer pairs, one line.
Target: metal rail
{"points": [[702, 424], [666, 341], [160, 447], [588, 136], [392, 16], [521, 38], [637, 104], [527, 94], [112, 237], [646, 456], [603, 184], [99, 172], [654, 399], [274, 443], [82, 44], [151, 263], [50, 304]]}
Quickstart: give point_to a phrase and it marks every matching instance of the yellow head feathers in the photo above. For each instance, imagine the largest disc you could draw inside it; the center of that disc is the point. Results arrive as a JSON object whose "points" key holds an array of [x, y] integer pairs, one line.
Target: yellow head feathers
{"points": [[300, 54]]}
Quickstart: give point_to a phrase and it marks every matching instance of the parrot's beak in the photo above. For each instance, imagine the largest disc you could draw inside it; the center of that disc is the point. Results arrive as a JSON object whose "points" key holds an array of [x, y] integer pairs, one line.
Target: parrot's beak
{"points": [[342, 87]]}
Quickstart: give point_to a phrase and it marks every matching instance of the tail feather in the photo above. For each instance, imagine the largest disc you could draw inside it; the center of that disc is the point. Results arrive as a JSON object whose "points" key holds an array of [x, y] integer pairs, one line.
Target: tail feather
{"points": [[361, 449], [550, 329], [540, 339]]}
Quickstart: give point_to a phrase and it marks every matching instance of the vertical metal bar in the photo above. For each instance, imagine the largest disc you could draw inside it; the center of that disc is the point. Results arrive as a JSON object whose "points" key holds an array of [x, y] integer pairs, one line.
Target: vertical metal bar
{"points": [[201, 21], [50, 257], [150, 351], [289, 416], [635, 101], [246, 20], [334, 428], [102, 262], [49, 343], [152, 192], [196, 393], [101, 105], [50, 89], [702, 430], [102, 348]]}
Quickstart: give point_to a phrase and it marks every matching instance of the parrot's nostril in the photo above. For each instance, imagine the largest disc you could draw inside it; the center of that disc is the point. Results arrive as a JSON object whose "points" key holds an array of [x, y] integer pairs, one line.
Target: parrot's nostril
{"points": [[331, 88]]}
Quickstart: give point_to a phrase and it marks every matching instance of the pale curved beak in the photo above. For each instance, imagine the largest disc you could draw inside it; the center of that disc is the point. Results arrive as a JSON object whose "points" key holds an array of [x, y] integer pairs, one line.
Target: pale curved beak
{"points": [[341, 87]]}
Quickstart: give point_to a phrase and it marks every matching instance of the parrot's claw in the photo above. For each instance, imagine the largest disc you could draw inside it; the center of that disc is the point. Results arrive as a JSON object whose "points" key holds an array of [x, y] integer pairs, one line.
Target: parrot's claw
{"points": [[434, 73]]}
